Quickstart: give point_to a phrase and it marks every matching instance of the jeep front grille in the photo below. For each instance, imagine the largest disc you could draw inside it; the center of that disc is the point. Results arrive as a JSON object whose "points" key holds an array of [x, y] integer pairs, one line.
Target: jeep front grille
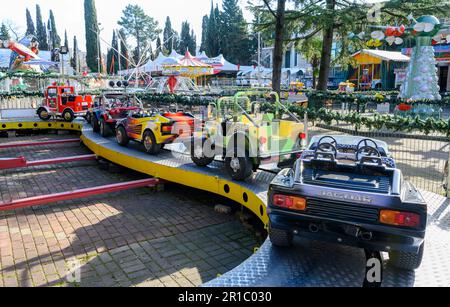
{"points": [[342, 211]]}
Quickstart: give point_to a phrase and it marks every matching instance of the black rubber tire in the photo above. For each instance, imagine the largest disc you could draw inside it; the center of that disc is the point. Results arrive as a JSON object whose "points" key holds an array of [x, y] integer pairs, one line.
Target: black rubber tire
{"points": [[68, 116], [105, 130], [40, 113], [88, 117], [407, 261], [245, 171], [122, 136], [203, 161], [154, 148], [95, 124], [280, 238]]}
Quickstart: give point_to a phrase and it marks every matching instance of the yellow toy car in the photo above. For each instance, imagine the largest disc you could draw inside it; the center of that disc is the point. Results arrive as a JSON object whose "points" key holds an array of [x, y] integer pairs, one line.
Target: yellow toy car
{"points": [[153, 130], [245, 137]]}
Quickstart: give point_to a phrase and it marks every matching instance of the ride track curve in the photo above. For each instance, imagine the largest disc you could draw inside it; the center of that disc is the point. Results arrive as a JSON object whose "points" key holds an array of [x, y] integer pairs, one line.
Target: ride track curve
{"points": [[307, 264]]}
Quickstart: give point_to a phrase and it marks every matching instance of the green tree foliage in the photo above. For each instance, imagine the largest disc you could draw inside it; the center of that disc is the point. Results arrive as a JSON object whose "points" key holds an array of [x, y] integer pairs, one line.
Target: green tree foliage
{"points": [[74, 61], [142, 28], [159, 47], [124, 53], [334, 20], [185, 39], [91, 28], [66, 39], [113, 56], [31, 30], [4, 33], [54, 37], [203, 46], [213, 33], [311, 50], [41, 30], [237, 45], [168, 37]]}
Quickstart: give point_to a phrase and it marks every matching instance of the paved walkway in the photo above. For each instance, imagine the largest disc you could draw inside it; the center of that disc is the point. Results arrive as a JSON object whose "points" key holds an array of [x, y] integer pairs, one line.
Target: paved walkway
{"points": [[133, 238]]}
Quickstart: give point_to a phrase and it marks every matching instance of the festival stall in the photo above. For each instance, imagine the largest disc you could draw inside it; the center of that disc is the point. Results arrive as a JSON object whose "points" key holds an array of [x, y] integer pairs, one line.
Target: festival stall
{"points": [[375, 69]]}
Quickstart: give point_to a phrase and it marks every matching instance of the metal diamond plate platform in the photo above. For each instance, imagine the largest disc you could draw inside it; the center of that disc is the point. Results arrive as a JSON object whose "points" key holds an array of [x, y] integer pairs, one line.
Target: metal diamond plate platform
{"points": [[312, 264], [309, 263]]}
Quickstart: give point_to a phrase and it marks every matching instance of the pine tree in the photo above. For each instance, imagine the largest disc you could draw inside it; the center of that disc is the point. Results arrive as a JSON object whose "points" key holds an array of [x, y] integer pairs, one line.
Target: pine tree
{"points": [[113, 56], [213, 32], [4, 34], [203, 46], [55, 39], [91, 28], [66, 40], [236, 42], [74, 62], [193, 43], [31, 30], [124, 62], [143, 28], [41, 30], [187, 39], [158, 46], [168, 36]]}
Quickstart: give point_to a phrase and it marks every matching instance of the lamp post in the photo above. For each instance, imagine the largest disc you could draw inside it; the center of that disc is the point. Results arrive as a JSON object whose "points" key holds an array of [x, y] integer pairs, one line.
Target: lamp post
{"points": [[99, 53], [63, 51]]}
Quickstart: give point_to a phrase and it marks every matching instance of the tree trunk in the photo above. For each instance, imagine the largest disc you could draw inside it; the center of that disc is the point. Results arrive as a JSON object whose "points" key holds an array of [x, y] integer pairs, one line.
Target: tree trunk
{"points": [[325, 61], [278, 50], [314, 80]]}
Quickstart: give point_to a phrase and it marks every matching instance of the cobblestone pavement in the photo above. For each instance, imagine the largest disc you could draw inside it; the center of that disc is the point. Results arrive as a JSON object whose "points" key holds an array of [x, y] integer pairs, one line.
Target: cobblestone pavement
{"points": [[132, 238]]}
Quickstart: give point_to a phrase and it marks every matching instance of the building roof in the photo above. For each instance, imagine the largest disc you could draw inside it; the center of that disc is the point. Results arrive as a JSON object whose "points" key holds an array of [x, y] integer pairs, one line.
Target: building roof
{"points": [[385, 55]]}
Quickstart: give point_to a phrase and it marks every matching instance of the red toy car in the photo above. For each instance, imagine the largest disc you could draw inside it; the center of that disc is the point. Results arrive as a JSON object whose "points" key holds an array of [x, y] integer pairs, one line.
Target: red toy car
{"points": [[62, 101], [108, 109]]}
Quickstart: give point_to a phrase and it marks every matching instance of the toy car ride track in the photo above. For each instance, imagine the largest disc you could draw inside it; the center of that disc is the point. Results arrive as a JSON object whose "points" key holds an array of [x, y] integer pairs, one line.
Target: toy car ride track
{"points": [[310, 263]]}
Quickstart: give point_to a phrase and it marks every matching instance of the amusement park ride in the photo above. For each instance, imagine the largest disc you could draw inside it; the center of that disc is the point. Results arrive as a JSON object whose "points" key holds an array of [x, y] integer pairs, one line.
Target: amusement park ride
{"points": [[344, 190]]}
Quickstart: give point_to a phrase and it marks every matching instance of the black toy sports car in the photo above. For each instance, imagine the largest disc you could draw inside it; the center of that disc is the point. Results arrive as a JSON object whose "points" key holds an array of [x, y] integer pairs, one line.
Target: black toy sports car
{"points": [[348, 190]]}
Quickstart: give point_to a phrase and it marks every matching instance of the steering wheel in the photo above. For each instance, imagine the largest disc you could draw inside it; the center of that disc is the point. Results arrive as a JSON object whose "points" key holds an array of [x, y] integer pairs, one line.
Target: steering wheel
{"points": [[333, 141], [366, 144], [367, 153], [325, 150]]}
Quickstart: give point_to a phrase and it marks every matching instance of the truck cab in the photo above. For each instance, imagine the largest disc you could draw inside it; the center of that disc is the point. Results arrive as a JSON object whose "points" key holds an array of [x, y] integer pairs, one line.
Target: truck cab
{"points": [[63, 102]]}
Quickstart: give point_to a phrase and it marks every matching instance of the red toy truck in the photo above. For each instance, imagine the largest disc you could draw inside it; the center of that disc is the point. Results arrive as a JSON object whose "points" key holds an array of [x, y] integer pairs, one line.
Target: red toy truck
{"points": [[62, 101]]}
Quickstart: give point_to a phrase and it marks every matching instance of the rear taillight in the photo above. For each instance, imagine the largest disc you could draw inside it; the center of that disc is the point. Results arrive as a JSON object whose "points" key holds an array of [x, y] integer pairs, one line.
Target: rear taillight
{"points": [[262, 140], [302, 136], [166, 129], [289, 202], [397, 218]]}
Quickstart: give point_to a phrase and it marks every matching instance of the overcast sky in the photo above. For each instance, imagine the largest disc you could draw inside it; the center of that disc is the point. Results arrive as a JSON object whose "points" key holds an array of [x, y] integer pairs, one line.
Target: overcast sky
{"points": [[69, 14]]}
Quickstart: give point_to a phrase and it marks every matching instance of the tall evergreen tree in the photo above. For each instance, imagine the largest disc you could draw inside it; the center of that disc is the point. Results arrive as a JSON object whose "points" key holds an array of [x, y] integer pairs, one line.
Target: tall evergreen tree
{"points": [[158, 47], [124, 57], [193, 43], [187, 39], [41, 30], [55, 39], [213, 32], [113, 56], [236, 41], [31, 30], [92, 28], [168, 36], [140, 26], [203, 46], [66, 39], [74, 61], [4, 34]]}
